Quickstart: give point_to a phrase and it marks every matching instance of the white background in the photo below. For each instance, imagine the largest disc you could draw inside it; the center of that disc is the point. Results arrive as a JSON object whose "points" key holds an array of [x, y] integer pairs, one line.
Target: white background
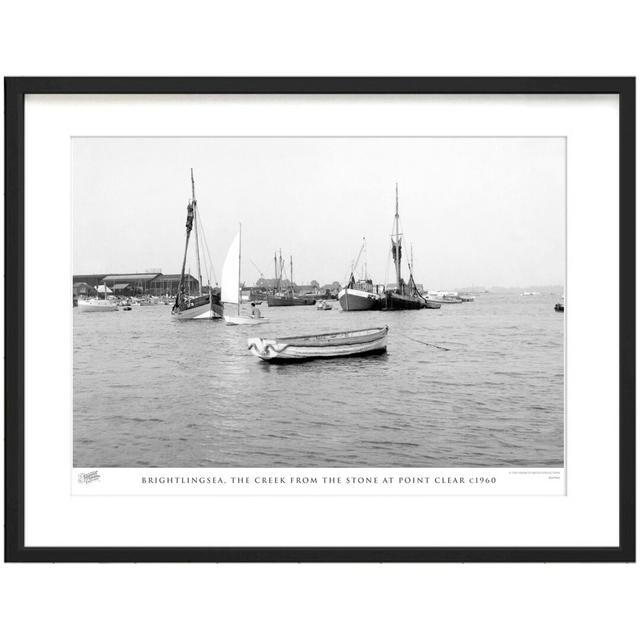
{"points": [[587, 516], [457, 38]]}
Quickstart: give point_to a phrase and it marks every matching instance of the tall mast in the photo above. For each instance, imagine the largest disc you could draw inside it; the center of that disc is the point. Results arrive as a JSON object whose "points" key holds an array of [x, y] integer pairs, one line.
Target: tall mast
{"points": [[291, 275], [412, 281], [189, 225], [195, 208], [275, 267], [396, 244]]}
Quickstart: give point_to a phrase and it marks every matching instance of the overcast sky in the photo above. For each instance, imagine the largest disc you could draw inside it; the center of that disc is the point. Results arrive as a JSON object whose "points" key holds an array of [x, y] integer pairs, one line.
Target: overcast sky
{"points": [[478, 211]]}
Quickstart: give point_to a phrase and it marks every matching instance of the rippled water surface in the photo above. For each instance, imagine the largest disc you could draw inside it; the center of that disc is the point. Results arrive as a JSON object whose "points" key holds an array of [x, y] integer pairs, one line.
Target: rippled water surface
{"points": [[157, 392]]}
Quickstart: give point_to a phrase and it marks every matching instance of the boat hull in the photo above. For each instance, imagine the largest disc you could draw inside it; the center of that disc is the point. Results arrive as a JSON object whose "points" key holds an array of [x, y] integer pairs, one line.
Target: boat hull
{"points": [[337, 345], [204, 311], [357, 300], [243, 320], [277, 301], [96, 306], [399, 301]]}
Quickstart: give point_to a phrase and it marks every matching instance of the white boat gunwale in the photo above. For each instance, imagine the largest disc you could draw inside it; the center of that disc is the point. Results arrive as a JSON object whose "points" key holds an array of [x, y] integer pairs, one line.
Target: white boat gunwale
{"points": [[359, 292], [350, 337], [309, 347]]}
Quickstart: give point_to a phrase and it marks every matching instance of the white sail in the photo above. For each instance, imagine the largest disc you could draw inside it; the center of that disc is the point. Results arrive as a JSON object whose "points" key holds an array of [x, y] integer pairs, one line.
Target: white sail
{"points": [[230, 283]]}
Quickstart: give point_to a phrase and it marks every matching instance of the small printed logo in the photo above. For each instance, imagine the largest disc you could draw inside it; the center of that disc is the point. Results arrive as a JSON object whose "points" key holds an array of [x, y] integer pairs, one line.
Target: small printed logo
{"points": [[90, 476]]}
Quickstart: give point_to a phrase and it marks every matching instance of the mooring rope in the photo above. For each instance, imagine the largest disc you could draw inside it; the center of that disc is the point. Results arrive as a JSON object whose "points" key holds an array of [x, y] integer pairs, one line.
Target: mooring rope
{"points": [[428, 344]]}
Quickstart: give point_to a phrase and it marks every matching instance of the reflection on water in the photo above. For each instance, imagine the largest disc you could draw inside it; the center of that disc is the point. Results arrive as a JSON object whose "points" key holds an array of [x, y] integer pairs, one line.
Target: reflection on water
{"points": [[155, 392]]}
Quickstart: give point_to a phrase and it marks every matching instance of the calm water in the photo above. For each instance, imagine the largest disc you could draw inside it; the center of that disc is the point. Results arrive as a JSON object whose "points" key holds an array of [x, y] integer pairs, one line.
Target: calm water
{"points": [[152, 391]]}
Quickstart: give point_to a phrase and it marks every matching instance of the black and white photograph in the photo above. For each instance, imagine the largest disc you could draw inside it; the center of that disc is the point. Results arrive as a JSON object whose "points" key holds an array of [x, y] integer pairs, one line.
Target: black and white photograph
{"points": [[320, 321], [319, 302]]}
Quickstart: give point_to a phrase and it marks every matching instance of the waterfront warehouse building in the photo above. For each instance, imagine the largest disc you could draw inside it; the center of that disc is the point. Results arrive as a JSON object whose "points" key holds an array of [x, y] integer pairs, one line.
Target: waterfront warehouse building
{"points": [[132, 284]]}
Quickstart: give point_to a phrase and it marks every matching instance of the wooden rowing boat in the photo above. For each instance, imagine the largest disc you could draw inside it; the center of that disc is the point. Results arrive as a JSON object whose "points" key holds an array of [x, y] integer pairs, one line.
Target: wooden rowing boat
{"points": [[325, 345]]}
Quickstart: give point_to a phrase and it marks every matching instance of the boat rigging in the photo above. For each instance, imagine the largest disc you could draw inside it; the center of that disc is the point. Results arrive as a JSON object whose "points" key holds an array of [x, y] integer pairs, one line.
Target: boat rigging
{"points": [[202, 306]]}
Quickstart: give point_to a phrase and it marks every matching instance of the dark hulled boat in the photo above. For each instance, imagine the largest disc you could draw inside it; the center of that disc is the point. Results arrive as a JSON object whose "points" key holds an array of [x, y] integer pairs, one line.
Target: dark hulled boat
{"points": [[286, 298], [405, 295], [394, 301]]}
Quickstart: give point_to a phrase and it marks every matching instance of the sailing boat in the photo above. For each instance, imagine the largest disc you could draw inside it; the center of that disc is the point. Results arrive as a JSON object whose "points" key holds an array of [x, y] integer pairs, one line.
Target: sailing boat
{"points": [[96, 304], [280, 298], [202, 306], [231, 285], [406, 294], [360, 295]]}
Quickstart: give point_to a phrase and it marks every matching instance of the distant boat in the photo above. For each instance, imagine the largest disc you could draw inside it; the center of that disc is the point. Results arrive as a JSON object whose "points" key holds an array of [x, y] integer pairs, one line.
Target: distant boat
{"points": [[326, 345], [530, 293], [360, 295], [444, 297], [323, 305], [286, 298], [466, 297], [93, 305], [231, 293], [98, 304], [406, 294], [200, 306]]}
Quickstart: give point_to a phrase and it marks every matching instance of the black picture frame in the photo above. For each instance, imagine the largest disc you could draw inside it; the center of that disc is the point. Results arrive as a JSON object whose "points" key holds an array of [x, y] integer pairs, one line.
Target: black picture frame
{"points": [[15, 91]]}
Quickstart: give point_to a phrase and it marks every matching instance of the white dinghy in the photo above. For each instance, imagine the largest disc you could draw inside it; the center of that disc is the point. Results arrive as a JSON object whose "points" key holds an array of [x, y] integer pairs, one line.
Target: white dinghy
{"points": [[231, 287], [93, 304], [98, 304]]}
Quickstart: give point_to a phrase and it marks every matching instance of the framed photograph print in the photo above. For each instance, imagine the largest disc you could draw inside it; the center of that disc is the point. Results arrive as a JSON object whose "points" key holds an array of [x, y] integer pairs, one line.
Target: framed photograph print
{"points": [[320, 319]]}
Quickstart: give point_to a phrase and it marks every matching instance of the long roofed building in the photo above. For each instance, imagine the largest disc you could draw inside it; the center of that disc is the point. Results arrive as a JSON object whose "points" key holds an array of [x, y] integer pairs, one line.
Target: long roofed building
{"points": [[127, 284]]}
